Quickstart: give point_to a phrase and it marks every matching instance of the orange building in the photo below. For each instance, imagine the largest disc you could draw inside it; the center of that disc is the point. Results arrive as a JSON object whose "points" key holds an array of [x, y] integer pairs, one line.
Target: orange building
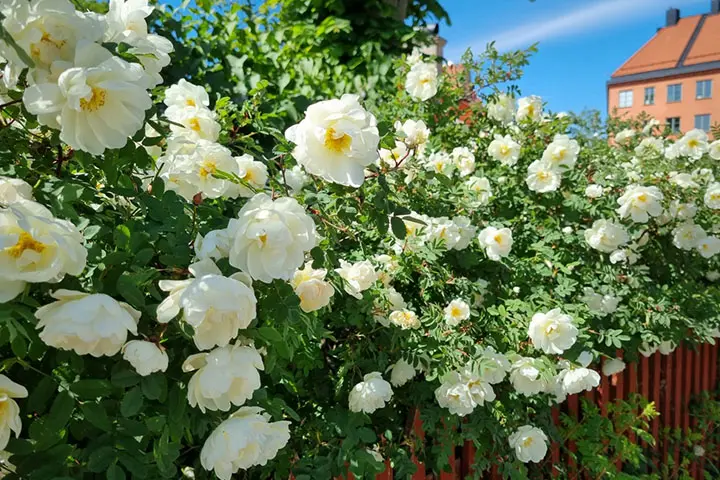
{"points": [[675, 76]]}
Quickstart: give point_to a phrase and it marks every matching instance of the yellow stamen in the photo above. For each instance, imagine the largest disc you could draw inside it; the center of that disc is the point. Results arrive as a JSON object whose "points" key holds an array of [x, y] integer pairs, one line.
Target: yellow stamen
{"points": [[190, 102], [194, 124], [337, 143], [207, 168], [96, 101], [528, 441], [25, 242]]}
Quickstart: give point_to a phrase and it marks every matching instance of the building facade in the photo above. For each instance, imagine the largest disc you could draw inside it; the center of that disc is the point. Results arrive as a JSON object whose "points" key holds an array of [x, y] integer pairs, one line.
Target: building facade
{"points": [[675, 76]]}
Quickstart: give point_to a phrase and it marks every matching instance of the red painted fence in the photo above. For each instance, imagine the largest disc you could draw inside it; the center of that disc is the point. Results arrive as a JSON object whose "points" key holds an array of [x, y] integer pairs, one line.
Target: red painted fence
{"points": [[670, 381]]}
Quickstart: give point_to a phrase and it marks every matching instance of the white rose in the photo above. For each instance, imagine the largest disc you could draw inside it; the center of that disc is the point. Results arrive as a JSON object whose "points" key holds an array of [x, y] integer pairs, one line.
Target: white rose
{"points": [[10, 420], [647, 350], [392, 158], [613, 366], [708, 247], [225, 376], [413, 133], [688, 235], [456, 311], [440, 163], [639, 203], [683, 180], [87, 324], [253, 172], [312, 289], [542, 177], [195, 124], [529, 108], [496, 241], [36, 247], [552, 332], [493, 366], [694, 144], [401, 373], [358, 276], [526, 376], [189, 168], [336, 140], [624, 136], [296, 179], [606, 236], [698, 451], [464, 160], [529, 443], [594, 191], [714, 150], [393, 299], [445, 230], [214, 245], [650, 146], [461, 391], [405, 319], [576, 380], [481, 186], [370, 394], [667, 347], [466, 232], [184, 95], [683, 211], [145, 357], [270, 237], [712, 196], [242, 441], [502, 108], [14, 190], [713, 275], [505, 150], [97, 104], [601, 304], [422, 81], [561, 154]]}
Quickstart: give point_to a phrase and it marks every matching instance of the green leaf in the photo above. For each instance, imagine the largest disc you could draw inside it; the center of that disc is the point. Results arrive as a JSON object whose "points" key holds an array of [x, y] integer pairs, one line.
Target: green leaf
{"points": [[115, 473], [60, 411], [40, 395], [154, 386], [95, 414], [398, 227], [125, 378], [269, 334], [101, 459], [127, 288], [91, 388], [132, 402]]}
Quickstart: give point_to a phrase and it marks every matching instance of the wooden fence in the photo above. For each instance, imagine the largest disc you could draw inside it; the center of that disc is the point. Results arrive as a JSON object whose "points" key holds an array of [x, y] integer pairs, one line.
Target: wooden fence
{"points": [[670, 381]]}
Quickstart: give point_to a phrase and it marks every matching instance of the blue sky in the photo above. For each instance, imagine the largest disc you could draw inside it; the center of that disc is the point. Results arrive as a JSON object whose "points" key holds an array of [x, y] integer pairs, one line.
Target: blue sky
{"points": [[581, 41]]}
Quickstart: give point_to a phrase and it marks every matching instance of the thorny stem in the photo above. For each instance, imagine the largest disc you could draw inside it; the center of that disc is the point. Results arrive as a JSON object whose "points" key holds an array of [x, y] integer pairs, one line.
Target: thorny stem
{"points": [[8, 104]]}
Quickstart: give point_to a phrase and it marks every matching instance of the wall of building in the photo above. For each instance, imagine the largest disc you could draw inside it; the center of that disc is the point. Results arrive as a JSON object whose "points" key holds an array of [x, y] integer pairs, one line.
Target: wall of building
{"points": [[686, 109]]}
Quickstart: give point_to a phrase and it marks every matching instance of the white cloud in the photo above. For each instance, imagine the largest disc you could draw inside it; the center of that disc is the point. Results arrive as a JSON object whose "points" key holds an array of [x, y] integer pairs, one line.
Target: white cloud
{"points": [[594, 16]]}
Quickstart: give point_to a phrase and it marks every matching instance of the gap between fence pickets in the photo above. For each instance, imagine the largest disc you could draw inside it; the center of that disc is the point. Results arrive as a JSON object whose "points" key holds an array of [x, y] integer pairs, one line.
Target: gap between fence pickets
{"points": [[670, 381]]}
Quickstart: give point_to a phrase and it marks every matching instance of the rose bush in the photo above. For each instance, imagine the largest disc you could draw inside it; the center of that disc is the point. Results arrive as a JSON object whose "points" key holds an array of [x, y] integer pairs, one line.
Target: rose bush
{"points": [[197, 287]]}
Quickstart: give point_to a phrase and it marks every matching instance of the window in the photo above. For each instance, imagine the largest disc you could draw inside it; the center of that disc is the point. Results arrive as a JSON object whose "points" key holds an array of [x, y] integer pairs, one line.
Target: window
{"points": [[626, 99], [674, 93], [703, 89], [674, 124], [702, 122], [650, 96]]}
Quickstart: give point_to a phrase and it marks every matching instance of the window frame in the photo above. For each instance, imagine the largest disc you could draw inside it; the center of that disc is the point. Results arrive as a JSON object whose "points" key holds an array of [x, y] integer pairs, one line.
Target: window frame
{"points": [[679, 89], [645, 96], [707, 82], [703, 116], [669, 123], [624, 94]]}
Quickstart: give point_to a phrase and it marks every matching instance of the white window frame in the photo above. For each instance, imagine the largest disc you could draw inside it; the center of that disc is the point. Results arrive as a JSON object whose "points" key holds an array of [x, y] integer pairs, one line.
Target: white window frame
{"points": [[625, 99], [679, 98], [703, 89], [652, 99], [703, 116]]}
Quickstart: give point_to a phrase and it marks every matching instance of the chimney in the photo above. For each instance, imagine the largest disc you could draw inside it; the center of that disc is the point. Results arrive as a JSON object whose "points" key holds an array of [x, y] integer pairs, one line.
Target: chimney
{"points": [[672, 17], [715, 7]]}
